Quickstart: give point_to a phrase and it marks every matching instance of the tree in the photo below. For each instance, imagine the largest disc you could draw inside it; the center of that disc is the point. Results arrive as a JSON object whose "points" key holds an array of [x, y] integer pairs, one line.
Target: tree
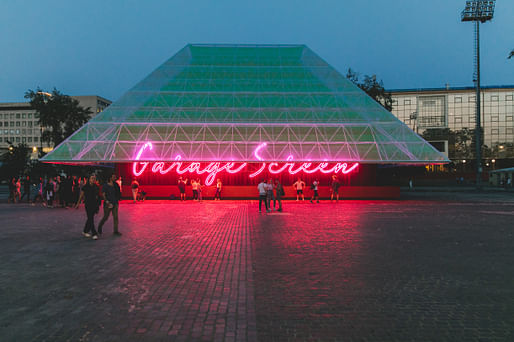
{"points": [[14, 161], [373, 88], [511, 54], [59, 114]]}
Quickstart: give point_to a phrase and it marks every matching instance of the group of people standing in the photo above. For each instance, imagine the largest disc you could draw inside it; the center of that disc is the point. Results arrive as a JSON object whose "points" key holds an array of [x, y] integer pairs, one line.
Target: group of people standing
{"points": [[274, 191], [270, 191], [59, 191], [196, 187]]}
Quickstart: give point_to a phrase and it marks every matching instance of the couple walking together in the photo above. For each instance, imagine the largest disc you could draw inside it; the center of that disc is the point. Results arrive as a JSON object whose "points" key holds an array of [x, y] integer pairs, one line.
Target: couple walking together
{"points": [[110, 194]]}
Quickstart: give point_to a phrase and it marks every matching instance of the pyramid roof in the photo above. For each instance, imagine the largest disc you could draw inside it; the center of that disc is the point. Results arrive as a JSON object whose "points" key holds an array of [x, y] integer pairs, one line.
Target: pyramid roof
{"points": [[224, 102]]}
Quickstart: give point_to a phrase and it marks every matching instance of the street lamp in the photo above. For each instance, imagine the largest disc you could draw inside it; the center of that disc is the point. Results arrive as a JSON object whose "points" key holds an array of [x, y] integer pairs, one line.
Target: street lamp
{"points": [[478, 11]]}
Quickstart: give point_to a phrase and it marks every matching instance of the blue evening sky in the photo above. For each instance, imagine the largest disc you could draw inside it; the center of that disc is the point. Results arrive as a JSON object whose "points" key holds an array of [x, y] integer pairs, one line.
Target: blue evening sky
{"points": [[104, 47]]}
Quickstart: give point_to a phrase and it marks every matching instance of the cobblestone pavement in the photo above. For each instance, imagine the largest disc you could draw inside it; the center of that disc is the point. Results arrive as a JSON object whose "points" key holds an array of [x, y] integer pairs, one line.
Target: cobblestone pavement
{"points": [[420, 269]]}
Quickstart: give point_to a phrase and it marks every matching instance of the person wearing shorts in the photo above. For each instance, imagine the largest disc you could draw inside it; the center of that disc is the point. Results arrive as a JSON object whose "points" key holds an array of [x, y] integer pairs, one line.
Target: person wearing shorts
{"points": [[299, 185], [135, 189], [315, 194], [182, 188], [334, 188]]}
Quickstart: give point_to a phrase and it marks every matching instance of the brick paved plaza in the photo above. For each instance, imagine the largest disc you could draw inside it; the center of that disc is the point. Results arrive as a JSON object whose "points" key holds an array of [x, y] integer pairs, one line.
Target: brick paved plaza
{"points": [[436, 267]]}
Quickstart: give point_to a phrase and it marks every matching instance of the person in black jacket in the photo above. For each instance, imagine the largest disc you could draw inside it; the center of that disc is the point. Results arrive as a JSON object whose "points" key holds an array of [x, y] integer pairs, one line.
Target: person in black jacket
{"points": [[91, 194], [111, 195]]}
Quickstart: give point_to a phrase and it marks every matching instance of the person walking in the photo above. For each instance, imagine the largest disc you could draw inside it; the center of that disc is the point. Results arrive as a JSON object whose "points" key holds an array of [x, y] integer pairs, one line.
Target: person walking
{"points": [[49, 193], [38, 192], [182, 188], [194, 187], [135, 189], [12, 191], [26, 189], [263, 188], [199, 187], [279, 193], [119, 182], [17, 194], [90, 194], [334, 188], [270, 195], [111, 195], [315, 194], [299, 185], [217, 195]]}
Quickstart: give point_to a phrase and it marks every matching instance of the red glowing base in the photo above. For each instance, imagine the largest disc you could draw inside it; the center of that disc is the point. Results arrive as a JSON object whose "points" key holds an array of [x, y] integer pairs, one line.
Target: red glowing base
{"points": [[250, 192]]}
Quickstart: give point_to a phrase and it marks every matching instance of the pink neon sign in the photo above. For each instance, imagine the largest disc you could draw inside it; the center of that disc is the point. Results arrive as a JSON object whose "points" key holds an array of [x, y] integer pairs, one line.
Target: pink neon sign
{"points": [[214, 168]]}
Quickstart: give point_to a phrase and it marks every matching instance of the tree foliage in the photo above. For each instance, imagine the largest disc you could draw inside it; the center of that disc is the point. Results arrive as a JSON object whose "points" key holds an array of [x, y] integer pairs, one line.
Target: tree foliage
{"points": [[461, 142], [14, 161], [373, 88], [59, 115]]}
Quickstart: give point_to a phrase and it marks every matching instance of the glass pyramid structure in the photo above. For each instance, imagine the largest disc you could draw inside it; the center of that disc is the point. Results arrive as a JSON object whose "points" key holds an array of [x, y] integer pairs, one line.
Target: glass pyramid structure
{"points": [[223, 102]]}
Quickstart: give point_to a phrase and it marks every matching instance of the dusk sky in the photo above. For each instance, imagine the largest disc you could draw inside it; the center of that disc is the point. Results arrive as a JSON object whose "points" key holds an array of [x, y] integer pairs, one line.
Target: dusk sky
{"points": [[105, 47]]}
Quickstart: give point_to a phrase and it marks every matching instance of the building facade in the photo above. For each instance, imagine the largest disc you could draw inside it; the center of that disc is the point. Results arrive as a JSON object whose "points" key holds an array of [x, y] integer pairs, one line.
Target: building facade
{"points": [[19, 122], [446, 117]]}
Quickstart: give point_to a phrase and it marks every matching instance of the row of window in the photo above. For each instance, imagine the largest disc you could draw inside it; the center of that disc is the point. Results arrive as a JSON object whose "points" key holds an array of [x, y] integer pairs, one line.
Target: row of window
{"points": [[496, 131], [17, 124], [19, 115], [458, 99], [19, 139], [18, 131]]}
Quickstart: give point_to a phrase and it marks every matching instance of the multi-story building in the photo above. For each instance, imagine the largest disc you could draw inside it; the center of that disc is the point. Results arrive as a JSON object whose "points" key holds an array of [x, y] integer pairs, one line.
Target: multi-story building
{"points": [[451, 112], [19, 122]]}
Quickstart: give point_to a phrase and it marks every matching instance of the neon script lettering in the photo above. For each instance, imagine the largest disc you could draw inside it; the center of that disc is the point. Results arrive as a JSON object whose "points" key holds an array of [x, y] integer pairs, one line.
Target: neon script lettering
{"points": [[212, 169]]}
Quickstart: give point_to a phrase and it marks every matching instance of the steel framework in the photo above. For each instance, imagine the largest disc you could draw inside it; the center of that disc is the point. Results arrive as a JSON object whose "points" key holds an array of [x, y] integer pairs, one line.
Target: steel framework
{"points": [[220, 102]]}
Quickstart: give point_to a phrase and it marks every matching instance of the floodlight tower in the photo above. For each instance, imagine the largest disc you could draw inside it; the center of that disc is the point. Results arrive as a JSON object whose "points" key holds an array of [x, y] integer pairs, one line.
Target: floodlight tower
{"points": [[478, 11]]}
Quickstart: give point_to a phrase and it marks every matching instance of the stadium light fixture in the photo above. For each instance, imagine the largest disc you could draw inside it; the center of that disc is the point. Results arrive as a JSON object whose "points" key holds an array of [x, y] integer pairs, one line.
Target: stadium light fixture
{"points": [[478, 11]]}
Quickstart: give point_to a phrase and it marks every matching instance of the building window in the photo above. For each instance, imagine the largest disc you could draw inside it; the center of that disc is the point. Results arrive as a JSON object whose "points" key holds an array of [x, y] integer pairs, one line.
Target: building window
{"points": [[471, 119], [406, 102], [471, 99], [0, 123], [458, 99], [17, 115], [36, 139], [23, 131], [494, 118], [17, 139], [30, 123], [508, 98], [24, 123], [458, 119], [36, 116], [29, 116], [18, 124], [509, 130], [18, 131], [508, 118], [29, 131], [495, 131], [29, 139], [23, 139], [11, 124], [23, 115], [494, 98]]}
